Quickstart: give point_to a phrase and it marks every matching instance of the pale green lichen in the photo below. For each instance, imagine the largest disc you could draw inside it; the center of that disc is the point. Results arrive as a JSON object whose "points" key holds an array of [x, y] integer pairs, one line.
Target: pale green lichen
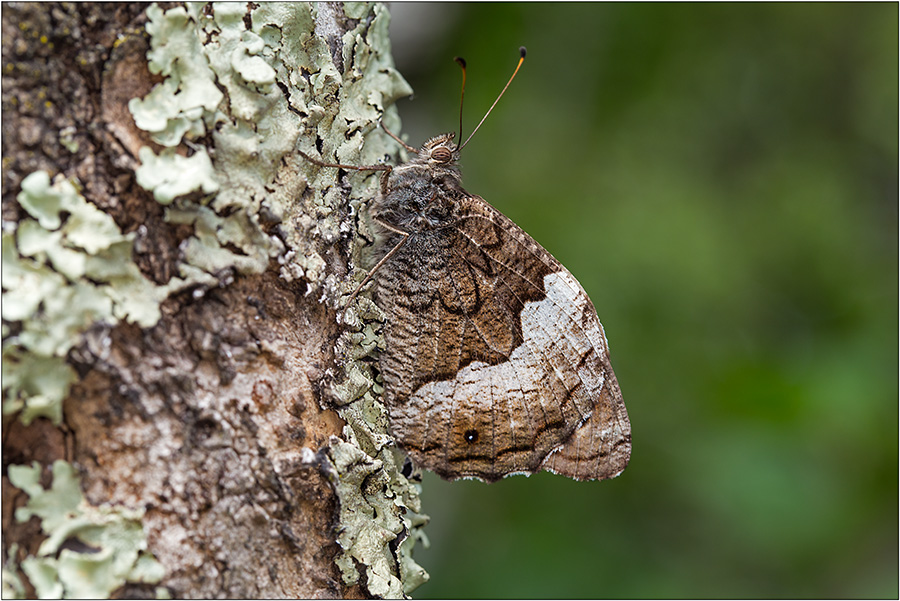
{"points": [[65, 268], [228, 59], [177, 106], [171, 175], [116, 542], [13, 587], [366, 464], [205, 249], [67, 139], [34, 385], [378, 506], [367, 455], [342, 110]]}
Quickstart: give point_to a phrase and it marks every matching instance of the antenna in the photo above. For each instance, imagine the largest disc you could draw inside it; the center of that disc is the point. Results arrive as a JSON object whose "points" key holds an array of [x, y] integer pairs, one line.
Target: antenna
{"points": [[521, 60], [462, 93]]}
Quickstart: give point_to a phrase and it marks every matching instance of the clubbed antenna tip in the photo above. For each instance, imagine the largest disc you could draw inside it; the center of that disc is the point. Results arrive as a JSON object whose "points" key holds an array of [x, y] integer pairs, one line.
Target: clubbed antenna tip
{"points": [[521, 60]]}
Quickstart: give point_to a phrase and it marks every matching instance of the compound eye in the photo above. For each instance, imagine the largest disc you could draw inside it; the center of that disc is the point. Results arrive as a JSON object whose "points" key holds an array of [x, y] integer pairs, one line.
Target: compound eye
{"points": [[441, 154]]}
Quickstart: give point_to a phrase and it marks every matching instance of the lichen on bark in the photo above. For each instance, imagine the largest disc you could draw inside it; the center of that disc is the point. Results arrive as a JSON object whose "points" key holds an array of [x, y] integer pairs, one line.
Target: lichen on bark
{"points": [[249, 332], [116, 544]]}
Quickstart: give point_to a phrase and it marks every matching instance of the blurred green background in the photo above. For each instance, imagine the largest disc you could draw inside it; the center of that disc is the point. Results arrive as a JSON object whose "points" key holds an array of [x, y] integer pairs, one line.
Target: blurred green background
{"points": [[723, 180]]}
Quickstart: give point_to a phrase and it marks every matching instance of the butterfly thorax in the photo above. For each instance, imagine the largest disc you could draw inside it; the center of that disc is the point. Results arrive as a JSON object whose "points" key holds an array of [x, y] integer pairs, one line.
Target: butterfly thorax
{"points": [[423, 193]]}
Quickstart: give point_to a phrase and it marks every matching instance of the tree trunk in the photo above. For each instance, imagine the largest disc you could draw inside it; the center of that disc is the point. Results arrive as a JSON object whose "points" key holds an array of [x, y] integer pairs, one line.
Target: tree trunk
{"points": [[186, 405]]}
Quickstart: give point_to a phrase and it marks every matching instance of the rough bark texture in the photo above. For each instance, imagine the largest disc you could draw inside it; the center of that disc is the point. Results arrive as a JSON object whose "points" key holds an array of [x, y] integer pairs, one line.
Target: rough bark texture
{"points": [[197, 384]]}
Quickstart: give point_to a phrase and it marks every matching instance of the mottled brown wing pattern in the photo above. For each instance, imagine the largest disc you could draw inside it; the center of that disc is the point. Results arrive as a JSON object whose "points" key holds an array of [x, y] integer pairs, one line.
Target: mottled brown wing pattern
{"points": [[496, 362]]}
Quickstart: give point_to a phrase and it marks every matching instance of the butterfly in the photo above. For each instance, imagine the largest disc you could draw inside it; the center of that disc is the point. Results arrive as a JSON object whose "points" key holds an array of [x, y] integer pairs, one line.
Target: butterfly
{"points": [[496, 362]]}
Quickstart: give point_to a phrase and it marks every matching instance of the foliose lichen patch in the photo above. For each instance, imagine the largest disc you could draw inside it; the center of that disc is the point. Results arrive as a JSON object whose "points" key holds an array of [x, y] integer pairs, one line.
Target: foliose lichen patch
{"points": [[114, 544], [65, 268]]}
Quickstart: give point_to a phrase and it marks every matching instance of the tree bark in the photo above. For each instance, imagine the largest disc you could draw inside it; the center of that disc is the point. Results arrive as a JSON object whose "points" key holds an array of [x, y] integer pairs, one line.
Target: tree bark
{"points": [[187, 406]]}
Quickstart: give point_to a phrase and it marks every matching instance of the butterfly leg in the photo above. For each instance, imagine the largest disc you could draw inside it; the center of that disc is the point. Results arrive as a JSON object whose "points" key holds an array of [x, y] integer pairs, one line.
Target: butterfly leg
{"points": [[385, 169], [387, 226], [399, 141], [342, 166]]}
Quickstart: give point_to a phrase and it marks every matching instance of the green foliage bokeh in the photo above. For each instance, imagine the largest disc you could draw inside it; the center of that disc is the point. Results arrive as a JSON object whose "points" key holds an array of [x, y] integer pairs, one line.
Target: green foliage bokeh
{"points": [[723, 181]]}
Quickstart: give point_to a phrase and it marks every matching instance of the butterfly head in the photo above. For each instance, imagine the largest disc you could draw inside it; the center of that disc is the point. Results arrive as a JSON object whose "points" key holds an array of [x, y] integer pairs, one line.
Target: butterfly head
{"points": [[439, 151]]}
